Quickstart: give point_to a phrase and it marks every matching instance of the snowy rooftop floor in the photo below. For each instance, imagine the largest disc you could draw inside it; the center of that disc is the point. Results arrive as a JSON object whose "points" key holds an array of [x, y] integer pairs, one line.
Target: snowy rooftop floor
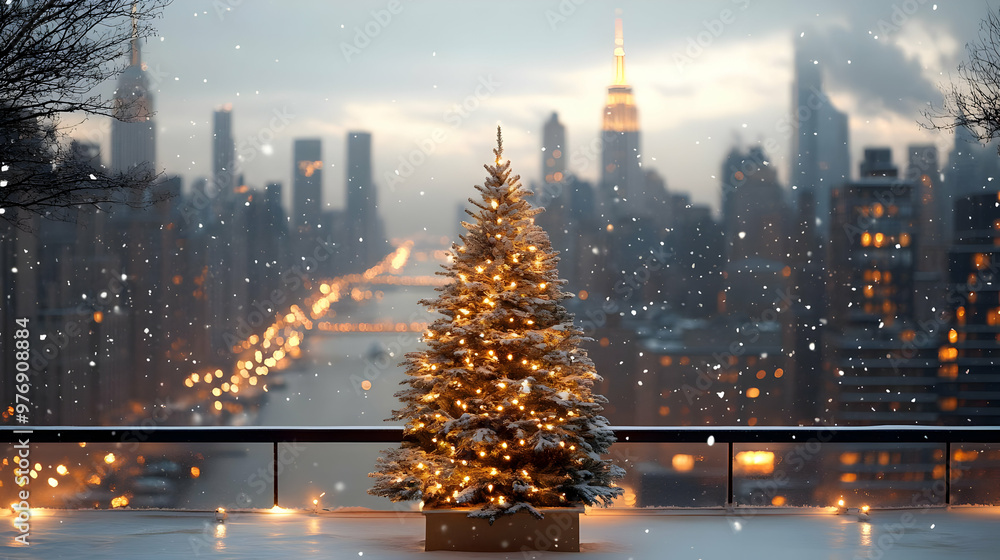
{"points": [[966, 533]]}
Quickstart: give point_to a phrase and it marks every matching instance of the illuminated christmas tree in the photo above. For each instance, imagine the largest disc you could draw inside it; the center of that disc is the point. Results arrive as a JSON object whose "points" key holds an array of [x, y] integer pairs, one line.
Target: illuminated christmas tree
{"points": [[499, 412]]}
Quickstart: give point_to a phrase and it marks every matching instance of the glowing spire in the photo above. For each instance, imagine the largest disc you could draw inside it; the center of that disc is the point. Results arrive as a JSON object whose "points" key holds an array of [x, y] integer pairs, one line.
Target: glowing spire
{"points": [[620, 113], [619, 54]]}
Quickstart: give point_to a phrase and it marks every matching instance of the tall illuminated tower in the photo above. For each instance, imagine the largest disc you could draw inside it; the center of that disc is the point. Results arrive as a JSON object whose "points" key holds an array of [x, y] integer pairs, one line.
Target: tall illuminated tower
{"points": [[133, 130], [307, 183], [621, 173]]}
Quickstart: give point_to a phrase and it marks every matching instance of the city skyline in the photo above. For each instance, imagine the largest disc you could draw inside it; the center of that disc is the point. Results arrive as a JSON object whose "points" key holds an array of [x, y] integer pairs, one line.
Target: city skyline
{"points": [[831, 265], [695, 96]]}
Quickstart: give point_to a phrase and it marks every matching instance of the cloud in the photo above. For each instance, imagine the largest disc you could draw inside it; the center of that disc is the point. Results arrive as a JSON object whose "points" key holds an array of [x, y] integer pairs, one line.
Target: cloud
{"points": [[432, 57], [877, 71]]}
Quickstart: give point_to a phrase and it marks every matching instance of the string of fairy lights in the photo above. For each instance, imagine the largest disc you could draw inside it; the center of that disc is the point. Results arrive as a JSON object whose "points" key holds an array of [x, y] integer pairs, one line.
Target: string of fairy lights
{"points": [[259, 355], [280, 343], [502, 326]]}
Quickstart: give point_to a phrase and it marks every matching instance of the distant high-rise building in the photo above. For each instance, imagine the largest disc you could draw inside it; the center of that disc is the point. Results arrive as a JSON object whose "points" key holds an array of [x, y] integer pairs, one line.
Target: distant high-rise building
{"points": [[963, 165], [554, 193], [307, 183], [89, 152], [972, 168], [934, 213], [754, 209], [878, 163], [570, 218], [882, 370], [363, 227], [223, 150], [274, 194], [133, 130], [820, 152], [621, 173], [805, 325], [631, 206], [968, 369], [267, 243], [277, 221], [755, 222], [553, 150], [820, 165]]}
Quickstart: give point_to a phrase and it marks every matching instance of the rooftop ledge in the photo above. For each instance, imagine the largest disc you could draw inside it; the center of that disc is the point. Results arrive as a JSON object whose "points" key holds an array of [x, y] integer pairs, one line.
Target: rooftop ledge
{"points": [[377, 434], [935, 531], [774, 533]]}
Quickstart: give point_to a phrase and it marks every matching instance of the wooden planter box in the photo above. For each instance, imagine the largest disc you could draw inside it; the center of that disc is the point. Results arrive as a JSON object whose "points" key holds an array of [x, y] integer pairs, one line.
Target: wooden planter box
{"points": [[453, 529]]}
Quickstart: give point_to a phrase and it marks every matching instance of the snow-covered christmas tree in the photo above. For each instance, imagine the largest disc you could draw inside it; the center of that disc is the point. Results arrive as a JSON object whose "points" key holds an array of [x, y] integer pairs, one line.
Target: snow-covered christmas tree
{"points": [[500, 414]]}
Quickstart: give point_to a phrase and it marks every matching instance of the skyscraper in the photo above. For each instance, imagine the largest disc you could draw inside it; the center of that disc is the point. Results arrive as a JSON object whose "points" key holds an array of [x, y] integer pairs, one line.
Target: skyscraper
{"points": [[307, 183], [753, 207], [754, 218], [629, 212], [363, 226], [972, 167], [820, 160], [553, 150], [968, 374], [883, 371], [934, 213], [621, 173], [135, 242], [223, 150], [820, 165], [554, 192], [133, 130], [267, 243]]}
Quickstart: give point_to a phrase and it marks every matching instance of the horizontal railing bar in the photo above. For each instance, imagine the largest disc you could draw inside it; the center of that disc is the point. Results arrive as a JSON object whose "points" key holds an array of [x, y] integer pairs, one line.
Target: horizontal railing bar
{"points": [[393, 434], [207, 434], [806, 434]]}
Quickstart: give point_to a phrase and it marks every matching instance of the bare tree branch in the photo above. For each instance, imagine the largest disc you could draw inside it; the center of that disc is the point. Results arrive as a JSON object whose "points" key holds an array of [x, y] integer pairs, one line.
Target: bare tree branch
{"points": [[53, 54], [974, 101]]}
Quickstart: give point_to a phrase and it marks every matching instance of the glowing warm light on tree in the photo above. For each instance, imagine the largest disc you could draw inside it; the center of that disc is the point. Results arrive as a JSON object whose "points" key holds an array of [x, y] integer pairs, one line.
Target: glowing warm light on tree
{"points": [[465, 406]]}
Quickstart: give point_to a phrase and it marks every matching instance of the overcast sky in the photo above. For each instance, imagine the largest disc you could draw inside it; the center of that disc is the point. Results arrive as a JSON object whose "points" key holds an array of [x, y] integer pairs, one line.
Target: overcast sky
{"points": [[705, 75]]}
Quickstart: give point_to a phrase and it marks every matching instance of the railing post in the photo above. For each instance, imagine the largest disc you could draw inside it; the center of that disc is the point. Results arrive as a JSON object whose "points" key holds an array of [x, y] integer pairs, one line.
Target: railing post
{"points": [[275, 466], [947, 473], [730, 491]]}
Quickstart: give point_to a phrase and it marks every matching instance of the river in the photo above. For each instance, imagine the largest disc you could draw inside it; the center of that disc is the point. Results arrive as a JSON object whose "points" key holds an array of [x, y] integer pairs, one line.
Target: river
{"points": [[325, 387]]}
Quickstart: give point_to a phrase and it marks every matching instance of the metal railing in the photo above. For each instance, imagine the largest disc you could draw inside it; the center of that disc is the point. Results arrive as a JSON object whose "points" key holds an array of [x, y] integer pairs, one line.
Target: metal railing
{"points": [[727, 435]]}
